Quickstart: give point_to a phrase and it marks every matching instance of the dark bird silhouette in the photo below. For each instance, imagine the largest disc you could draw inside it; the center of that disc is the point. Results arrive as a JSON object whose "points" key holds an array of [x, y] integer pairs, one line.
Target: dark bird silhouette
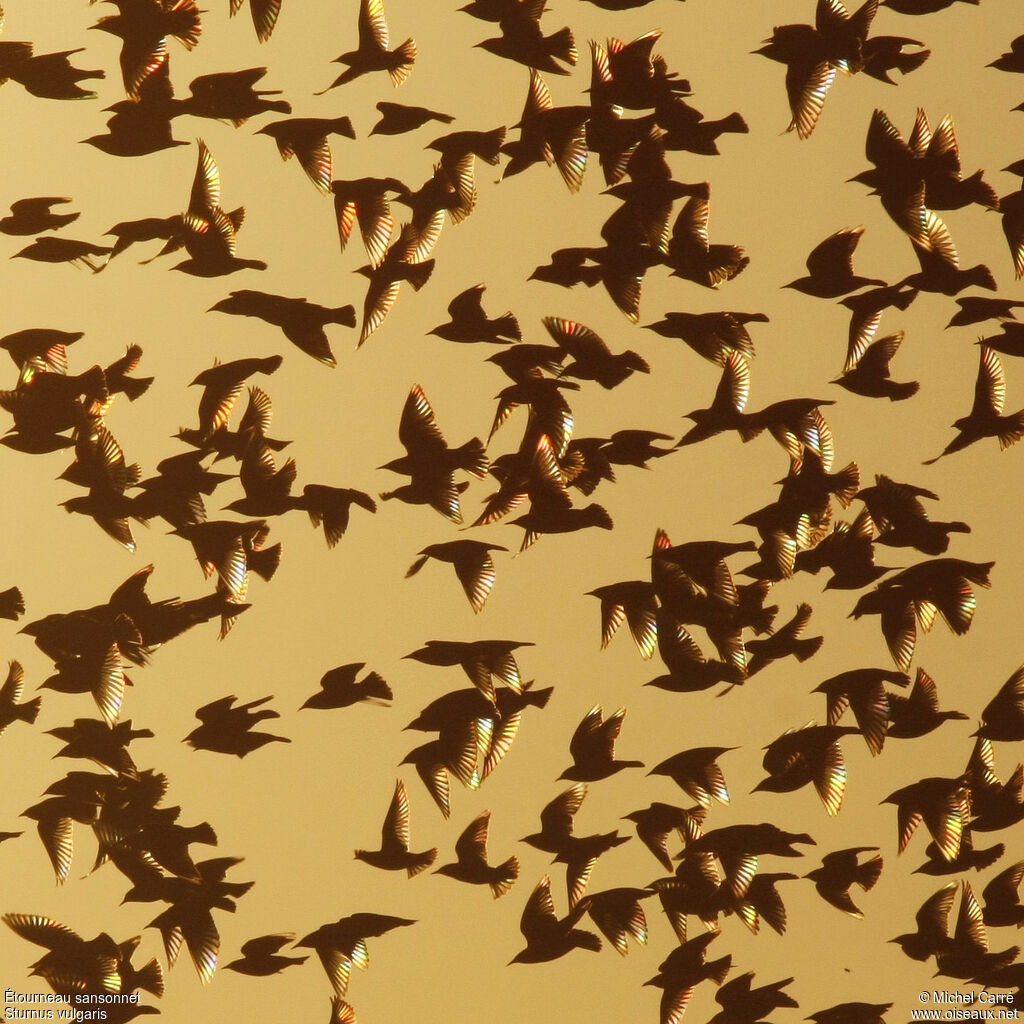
{"points": [[862, 691], [967, 857], [852, 1013], [593, 747], [429, 462], [228, 730], [394, 853], [711, 335], [654, 825], [330, 506], [944, 805], [340, 689], [986, 417], [396, 118], [918, 714], [481, 660], [12, 604], [469, 323], [786, 641], [693, 257], [523, 41], [932, 934], [365, 201], [688, 669], [48, 249], [840, 871], [261, 958], [343, 943], [830, 267], [634, 601], [471, 865], [306, 139], [682, 971], [619, 915], [473, 566], [222, 385], [549, 937], [742, 1004], [976, 309], [902, 519], [802, 756], [870, 376], [100, 742], [12, 709], [968, 954], [373, 53], [1002, 898], [33, 216], [591, 359], [301, 321], [1003, 717], [696, 772], [232, 96], [143, 27]]}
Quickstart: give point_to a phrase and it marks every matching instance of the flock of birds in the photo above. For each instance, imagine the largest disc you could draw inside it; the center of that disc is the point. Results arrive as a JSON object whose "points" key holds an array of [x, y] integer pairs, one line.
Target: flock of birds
{"points": [[713, 614]]}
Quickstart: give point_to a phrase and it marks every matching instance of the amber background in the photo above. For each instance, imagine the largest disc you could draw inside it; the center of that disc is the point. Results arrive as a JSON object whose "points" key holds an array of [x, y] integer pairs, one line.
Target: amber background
{"points": [[296, 812]]}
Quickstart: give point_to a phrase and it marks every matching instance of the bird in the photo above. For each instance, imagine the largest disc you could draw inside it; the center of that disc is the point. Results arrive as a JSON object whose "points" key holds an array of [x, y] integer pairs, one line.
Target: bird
{"points": [[986, 417], [34, 216], [373, 53], [468, 323], [696, 771], [306, 139], [654, 825], [340, 689], [830, 267], [839, 871], [805, 755], [394, 853], [591, 357], [225, 729], [943, 804], [473, 566], [471, 865], [682, 970], [396, 118], [261, 958], [549, 937], [1003, 717], [593, 747], [12, 708], [932, 919]]}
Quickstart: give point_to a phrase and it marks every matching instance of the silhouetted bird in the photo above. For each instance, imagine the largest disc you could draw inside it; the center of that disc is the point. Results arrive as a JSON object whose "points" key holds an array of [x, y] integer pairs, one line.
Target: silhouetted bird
{"points": [[654, 825], [870, 376], [711, 335], [523, 40], [97, 740], [233, 96], [12, 709], [944, 805], [902, 518], [986, 417], [469, 323], [619, 915], [365, 201], [976, 309], [852, 1013], [396, 118], [696, 772], [12, 604], [591, 357], [830, 267], [806, 755], [1002, 898], [372, 53], [742, 1004], [785, 641], [693, 257], [1003, 717], [932, 934], [71, 963], [429, 462], [228, 730], [400, 262], [862, 691], [682, 971], [343, 943], [48, 249], [968, 955], [260, 957], [635, 602], [143, 27], [306, 139], [340, 689], [473, 566], [593, 747], [549, 937], [330, 506], [918, 713], [33, 216], [481, 660], [394, 853], [472, 866], [840, 871]]}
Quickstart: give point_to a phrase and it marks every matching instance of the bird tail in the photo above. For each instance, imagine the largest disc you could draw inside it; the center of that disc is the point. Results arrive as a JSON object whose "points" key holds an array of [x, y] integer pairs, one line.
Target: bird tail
{"points": [[505, 877], [563, 46], [419, 273], [846, 484], [376, 688], [804, 649], [537, 698], [270, 364], [733, 123], [151, 978], [12, 604], [508, 326], [900, 391], [404, 57], [1013, 430], [718, 969], [28, 711], [868, 874], [265, 561], [472, 457], [421, 862]]}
